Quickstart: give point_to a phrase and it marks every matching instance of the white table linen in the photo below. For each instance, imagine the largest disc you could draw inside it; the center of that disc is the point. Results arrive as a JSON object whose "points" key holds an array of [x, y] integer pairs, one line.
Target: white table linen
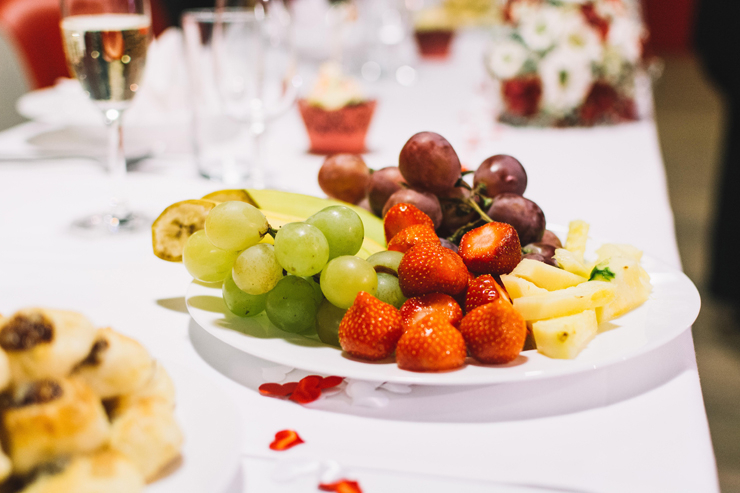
{"points": [[635, 426]]}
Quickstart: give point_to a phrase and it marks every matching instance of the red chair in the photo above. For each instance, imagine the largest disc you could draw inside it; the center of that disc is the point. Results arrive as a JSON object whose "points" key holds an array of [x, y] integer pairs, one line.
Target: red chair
{"points": [[33, 29]]}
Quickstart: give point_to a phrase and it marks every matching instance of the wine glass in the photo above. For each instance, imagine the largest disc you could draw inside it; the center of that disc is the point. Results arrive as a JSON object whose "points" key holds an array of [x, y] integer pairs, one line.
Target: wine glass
{"points": [[256, 70], [105, 42]]}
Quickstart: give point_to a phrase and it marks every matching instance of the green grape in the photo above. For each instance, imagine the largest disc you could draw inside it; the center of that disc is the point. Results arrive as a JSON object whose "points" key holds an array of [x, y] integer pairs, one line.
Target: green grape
{"points": [[328, 319], [301, 249], [342, 227], [389, 291], [319, 296], [235, 225], [344, 277], [386, 261], [204, 261], [291, 305], [240, 303], [256, 270]]}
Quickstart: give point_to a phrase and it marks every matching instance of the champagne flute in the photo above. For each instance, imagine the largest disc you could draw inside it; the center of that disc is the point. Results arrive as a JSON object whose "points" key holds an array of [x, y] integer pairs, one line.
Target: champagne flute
{"points": [[256, 70], [105, 42]]}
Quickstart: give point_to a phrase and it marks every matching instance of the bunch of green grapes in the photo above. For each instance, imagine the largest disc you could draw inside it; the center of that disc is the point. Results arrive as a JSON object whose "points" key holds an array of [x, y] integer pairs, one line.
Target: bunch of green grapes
{"points": [[305, 282]]}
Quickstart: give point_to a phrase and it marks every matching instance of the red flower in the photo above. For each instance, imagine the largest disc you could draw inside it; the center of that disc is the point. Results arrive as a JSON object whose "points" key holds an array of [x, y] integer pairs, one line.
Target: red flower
{"points": [[522, 95], [595, 20], [604, 104]]}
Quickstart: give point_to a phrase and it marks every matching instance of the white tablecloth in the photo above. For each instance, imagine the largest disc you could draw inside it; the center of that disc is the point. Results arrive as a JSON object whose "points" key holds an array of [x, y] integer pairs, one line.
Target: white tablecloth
{"points": [[634, 426]]}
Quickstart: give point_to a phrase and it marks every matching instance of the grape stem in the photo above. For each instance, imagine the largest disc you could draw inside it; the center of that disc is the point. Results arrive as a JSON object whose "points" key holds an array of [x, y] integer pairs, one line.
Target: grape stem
{"points": [[472, 203], [271, 231]]}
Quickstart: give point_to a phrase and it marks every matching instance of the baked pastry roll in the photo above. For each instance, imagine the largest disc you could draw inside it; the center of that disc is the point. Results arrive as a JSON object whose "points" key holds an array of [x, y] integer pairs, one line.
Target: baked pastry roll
{"points": [[116, 365], [105, 471], [158, 388], [147, 433], [42, 343], [49, 418]]}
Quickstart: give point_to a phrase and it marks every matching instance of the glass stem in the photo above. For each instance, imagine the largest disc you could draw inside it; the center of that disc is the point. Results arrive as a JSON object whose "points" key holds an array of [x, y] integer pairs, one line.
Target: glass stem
{"points": [[116, 163], [257, 173]]}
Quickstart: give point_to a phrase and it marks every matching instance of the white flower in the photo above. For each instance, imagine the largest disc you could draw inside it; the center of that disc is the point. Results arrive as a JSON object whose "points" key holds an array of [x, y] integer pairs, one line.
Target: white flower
{"points": [[540, 28], [507, 58], [625, 36], [566, 80], [522, 8], [610, 9], [580, 37]]}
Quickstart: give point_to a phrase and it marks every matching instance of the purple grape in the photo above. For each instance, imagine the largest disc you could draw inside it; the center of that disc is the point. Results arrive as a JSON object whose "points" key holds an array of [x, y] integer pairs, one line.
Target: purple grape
{"points": [[454, 213], [448, 244], [551, 239], [429, 163], [344, 177], [524, 215], [382, 184], [424, 201], [501, 174]]}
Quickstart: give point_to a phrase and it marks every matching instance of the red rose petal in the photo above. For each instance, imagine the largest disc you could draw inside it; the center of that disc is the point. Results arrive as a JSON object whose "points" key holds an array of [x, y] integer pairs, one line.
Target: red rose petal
{"points": [[285, 439], [342, 486], [308, 390], [277, 390], [329, 382]]}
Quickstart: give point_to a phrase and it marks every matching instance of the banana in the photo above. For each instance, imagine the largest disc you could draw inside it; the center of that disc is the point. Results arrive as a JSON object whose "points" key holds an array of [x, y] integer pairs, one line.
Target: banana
{"points": [[174, 226]]}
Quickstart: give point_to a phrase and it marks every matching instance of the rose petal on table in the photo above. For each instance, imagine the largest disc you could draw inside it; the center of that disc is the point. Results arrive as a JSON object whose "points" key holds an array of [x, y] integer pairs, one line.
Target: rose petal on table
{"points": [[285, 439], [278, 390], [329, 382], [308, 390], [343, 486]]}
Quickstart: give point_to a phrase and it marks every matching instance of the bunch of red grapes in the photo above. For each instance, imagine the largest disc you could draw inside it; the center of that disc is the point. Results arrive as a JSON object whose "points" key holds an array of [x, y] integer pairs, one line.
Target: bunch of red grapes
{"points": [[429, 176]]}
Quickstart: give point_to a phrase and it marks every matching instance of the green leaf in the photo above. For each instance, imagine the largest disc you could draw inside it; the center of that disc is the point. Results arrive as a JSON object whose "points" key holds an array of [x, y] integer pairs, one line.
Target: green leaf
{"points": [[604, 274]]}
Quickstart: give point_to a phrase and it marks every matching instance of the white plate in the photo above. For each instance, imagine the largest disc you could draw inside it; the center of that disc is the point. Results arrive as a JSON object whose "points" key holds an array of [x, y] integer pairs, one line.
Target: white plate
{"points": [[672, 308], [212, 430]]}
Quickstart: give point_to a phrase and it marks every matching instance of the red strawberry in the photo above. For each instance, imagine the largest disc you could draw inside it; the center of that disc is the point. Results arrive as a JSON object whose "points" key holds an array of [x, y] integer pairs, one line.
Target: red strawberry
{"points": [[431, 345], [491, 249], [431, 268], [410, 236], [445, 307], [370, 329], [483, 290], [494, 332], [400, 217]]}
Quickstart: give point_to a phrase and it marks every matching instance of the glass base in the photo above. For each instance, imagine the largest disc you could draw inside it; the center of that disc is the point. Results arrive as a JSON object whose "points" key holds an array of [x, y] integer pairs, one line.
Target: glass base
{"points": [[110, 224]]}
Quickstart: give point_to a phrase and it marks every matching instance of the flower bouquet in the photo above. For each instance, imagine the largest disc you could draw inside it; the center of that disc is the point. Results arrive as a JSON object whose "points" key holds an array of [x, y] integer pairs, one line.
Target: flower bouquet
{"points": [[567, 62]]}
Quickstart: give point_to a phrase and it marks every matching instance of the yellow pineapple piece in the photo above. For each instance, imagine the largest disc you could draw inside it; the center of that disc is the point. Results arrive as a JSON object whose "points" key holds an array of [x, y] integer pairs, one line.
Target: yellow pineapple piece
{"points": [[546, 276], [518, 287], [565, 337], [585, 296], [631, 283], [609, 250], [577, 236], [571, 262]]}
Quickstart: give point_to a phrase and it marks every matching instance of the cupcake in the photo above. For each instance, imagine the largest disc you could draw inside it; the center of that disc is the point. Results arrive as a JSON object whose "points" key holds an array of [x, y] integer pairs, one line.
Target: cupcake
{"points": [[336, 113], [433, 30]]}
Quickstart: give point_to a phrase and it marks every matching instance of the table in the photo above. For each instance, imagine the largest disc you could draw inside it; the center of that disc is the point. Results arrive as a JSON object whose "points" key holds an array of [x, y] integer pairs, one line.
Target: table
{"points": [[635, 426]]}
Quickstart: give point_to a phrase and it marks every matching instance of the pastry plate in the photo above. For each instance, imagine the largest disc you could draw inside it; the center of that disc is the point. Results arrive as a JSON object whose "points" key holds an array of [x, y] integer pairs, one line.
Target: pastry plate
{"points": [[672, 308]]}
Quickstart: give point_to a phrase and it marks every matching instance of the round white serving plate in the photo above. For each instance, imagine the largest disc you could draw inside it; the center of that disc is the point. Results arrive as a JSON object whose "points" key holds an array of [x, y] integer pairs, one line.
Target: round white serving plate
{"points": [[672, 308]]}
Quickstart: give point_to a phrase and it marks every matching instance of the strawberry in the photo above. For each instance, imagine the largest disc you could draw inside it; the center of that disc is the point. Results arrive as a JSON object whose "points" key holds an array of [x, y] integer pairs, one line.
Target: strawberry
{"points": [[400, 217], [482, 290], [433, 344], [410, 236], [494, 332], [491, 249], [415, 309], [431, 268], [370, 329]]}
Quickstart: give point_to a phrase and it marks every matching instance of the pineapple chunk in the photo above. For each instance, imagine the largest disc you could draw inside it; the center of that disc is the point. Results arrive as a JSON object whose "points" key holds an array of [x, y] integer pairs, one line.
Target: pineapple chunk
{"points": [[565, 337], [546, 276], [518, 287], [632, 287], [609, 250], [577, 236], [571, 262], [576, 299]]}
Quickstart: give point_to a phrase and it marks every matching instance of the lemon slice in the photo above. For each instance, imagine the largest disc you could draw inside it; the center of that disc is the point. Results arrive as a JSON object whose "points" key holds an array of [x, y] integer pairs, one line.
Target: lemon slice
{"points": [[174, 226], [239, 195]]}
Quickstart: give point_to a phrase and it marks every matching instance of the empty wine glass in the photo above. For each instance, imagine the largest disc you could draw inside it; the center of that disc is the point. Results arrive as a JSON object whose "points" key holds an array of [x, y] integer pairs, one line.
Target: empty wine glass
{"points": [[105, 42], [256, 70]]}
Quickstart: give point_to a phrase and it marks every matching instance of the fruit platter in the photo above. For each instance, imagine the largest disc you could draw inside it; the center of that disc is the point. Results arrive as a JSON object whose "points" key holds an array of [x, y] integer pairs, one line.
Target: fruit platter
{"points": [[479, 291]]}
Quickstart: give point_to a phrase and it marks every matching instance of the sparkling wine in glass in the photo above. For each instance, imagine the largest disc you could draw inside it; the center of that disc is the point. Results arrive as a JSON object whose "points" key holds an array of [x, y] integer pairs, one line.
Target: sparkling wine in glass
{"points": [[105, 42]]}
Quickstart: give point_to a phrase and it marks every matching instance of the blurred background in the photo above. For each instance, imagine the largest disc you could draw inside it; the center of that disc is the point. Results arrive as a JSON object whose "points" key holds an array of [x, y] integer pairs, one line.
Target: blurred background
{"points": [[691, 119]]}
